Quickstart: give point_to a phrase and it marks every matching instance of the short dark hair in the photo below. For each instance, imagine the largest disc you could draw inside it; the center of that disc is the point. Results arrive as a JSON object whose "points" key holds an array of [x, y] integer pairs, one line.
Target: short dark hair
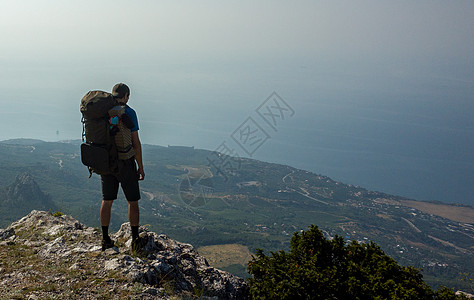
{"points": [[120, 90]]}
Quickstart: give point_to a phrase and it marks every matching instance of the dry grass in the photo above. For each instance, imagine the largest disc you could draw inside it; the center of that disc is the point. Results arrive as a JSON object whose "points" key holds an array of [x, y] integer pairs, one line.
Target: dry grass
{"points": [[23, 274], [463, 214], [193, 171], [221, 256], [386, 217]]}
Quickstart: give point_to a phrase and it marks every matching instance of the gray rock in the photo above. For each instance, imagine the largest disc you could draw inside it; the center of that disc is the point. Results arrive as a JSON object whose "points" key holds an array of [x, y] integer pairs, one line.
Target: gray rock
{"points": [[113, 264], [112, 251], [6, 233], [55, 230], [56, 248], [182, 264], [152, 291], [75, 266], [164, 259]]}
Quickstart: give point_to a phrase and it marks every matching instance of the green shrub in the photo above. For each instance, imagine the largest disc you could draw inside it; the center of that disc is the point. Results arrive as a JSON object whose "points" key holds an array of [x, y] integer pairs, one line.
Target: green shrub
{"points": [[57, 214], [318, 268]]}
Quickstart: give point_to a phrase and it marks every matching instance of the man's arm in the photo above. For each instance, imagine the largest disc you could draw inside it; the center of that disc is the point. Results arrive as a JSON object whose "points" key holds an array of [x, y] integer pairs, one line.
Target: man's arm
{"points": [[137, 147]]}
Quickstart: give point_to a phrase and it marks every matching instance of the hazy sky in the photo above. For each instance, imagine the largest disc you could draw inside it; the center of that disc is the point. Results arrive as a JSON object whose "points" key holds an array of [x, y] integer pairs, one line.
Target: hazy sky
{"points": [[352, 70], [200, 53]]}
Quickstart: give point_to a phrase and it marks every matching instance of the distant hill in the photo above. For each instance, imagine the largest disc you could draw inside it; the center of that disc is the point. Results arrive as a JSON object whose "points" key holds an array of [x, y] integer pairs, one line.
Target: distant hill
{"points": [[23, 196], [22, 142], [207, 198]]}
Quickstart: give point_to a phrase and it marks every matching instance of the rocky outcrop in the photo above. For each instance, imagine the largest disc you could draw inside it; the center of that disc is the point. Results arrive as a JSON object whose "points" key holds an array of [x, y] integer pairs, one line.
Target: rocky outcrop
{"points": [[163, 268]]}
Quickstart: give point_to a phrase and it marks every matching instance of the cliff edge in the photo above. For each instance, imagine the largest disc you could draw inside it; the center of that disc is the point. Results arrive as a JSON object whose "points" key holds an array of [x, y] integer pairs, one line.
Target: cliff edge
{"points": [[44, 255]]}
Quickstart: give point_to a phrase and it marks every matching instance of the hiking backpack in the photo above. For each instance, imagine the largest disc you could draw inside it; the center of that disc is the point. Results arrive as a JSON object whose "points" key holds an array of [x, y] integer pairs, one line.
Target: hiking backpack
{"points": [[120, 129], [105, 133]]}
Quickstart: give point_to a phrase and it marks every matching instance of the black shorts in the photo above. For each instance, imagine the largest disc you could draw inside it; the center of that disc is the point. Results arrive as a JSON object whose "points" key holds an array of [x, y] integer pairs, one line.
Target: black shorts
{"points": [[128, 178]]}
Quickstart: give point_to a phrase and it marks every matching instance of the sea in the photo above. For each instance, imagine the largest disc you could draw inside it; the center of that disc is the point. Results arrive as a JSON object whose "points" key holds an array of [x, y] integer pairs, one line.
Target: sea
{"points": [[411, 138]]}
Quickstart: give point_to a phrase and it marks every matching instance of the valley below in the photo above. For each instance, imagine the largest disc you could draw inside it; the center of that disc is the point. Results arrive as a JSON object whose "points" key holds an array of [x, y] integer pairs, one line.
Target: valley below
{"points": [[228, 207]]}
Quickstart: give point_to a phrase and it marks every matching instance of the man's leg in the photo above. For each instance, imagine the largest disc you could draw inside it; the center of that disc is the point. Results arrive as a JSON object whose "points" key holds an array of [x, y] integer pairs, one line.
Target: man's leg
{"points": [[133, 213], [131, 190], [134, 217], [110, 186], [105, 211]]}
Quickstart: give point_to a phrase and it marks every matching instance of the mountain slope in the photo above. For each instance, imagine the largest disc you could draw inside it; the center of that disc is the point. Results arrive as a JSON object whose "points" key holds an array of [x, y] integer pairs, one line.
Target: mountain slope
{"points": [[21, 197], [206, 198]]}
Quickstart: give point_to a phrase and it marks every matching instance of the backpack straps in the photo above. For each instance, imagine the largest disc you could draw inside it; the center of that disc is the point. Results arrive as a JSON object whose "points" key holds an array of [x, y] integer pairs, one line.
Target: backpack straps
{"points": [[83, 130]]}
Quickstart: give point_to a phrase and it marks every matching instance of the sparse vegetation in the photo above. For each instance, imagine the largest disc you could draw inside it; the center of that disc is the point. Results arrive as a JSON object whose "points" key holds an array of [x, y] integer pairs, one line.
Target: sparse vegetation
{"points": [[57, 214], [70, 277]]}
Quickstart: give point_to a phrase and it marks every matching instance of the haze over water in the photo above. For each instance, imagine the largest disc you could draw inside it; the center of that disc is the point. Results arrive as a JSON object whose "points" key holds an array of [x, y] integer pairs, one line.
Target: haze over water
{"points": [[382, 93]]}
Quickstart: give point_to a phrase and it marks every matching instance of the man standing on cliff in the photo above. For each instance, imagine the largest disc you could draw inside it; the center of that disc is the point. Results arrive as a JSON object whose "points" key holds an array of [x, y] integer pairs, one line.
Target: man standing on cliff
{"points": [[128, 178]]}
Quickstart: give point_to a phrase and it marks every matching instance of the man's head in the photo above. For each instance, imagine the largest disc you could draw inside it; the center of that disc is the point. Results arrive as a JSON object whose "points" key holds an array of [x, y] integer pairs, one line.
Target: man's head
{"points": [[121, 92]]}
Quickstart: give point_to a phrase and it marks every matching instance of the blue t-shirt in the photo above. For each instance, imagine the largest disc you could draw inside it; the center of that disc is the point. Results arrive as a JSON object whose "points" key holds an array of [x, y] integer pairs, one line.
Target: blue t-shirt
{"points": [[133, 115]]}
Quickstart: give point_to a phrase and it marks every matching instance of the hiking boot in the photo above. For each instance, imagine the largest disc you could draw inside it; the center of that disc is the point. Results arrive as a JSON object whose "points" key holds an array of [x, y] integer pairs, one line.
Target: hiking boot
{"points": [[106, 244]]}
